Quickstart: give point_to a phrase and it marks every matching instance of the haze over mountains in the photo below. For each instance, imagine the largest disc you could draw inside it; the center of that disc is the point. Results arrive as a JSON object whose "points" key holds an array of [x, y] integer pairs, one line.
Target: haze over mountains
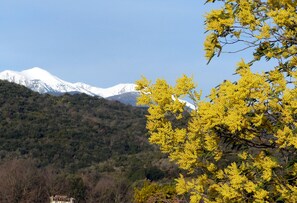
{"points": [[41, 81]]}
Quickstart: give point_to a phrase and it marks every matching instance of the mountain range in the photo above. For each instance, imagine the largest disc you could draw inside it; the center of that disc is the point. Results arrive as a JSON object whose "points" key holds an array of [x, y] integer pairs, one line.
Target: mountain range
{"points": [[41, 81]]}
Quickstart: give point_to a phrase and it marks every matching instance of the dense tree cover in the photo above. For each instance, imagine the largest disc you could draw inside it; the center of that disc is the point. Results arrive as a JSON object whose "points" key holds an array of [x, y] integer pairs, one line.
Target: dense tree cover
{"points": [[81, 146], [71, 131], [240, 143]]}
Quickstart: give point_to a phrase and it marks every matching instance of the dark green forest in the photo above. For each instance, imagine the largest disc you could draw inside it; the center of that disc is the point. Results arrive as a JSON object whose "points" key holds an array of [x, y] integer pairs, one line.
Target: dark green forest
{"points": [[86, 147]]}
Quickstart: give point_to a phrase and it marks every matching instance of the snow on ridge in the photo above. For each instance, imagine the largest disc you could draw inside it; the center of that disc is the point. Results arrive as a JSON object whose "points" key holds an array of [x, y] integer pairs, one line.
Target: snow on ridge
{"points": [[14, 76], [50, 80], [41, 81], [107, 92], [118, 89]]}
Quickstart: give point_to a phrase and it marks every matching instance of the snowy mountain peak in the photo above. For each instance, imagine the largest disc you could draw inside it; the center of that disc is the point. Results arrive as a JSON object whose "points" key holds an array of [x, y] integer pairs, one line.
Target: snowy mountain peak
{"points": [[44, 76], [36, 73], [41, 81], [36, 69]]}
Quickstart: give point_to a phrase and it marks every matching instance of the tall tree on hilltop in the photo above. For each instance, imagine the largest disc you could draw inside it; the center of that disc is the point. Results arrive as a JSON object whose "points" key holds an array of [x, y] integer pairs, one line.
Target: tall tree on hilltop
{"points": [[240, 144]]}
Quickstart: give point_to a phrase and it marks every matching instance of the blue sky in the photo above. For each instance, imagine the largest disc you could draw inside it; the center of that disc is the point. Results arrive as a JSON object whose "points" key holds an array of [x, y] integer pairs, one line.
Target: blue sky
{"points": [[106, 42]]}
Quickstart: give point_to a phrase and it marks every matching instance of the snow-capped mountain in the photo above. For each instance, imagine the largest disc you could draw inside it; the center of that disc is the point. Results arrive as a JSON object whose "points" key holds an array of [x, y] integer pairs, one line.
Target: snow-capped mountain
{"points": [[42, 81]]}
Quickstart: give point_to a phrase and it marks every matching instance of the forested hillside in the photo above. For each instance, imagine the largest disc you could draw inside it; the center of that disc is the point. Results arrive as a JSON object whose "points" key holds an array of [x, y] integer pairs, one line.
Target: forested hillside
{"points": [[77, 138]]}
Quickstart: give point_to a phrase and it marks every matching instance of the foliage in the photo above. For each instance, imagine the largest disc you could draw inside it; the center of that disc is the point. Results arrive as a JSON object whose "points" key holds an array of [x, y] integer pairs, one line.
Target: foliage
{"points": [[81, 146], [69, 131], [268, 27], [240, 143], [152, 192]]}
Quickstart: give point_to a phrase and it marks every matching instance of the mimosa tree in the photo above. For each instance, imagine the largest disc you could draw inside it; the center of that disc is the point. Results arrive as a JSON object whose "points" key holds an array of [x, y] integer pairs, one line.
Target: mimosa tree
{"points": [[240, 143]]}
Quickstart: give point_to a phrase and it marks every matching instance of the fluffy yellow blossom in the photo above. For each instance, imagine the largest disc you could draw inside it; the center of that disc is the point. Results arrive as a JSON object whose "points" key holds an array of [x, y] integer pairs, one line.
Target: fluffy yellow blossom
{"points": [[239, 143], [250, 187], [211, 167], [243, 155], [266, 164], [261, 195], [246, 14], [265, 32]]}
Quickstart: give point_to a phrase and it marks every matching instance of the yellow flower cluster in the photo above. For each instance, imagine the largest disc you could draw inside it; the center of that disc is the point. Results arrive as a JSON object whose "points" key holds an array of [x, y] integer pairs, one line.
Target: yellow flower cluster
{"points": [[270, 27], [240, 136], [246, 14], [240, 143], [220, 19]]}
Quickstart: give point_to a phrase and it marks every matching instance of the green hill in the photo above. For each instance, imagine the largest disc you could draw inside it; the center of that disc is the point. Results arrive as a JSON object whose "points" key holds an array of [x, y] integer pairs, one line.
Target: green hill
{"points": [[69, 131], [79, 135]]}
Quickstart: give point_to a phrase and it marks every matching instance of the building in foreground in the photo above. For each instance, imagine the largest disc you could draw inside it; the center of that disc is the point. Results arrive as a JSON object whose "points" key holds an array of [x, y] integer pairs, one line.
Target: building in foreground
{"points": [[61, 199]]}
